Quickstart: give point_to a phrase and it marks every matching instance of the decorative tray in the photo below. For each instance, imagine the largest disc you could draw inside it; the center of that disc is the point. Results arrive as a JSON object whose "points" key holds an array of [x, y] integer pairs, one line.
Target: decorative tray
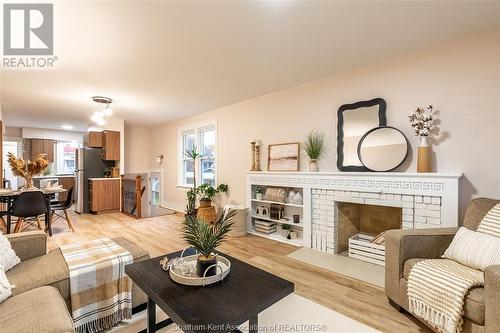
{"points": [[223, 267]]}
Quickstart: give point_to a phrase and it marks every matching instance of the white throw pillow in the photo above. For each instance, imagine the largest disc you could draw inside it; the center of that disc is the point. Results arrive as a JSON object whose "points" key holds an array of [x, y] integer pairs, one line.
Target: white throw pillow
{"points": [[5, 287], [8, 257], [474, 249]]}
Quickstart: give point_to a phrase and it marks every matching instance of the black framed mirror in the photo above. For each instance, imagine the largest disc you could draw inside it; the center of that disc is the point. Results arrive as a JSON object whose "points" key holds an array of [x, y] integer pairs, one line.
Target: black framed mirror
{"points": [[383, 149], [353, 121]]}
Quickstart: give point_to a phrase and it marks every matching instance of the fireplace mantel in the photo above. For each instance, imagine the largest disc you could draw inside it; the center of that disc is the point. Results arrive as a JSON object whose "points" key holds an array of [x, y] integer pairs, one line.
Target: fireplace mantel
{"points": [[428, 200]]}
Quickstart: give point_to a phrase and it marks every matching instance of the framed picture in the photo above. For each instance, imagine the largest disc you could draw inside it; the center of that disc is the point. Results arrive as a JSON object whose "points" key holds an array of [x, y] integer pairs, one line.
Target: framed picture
{"points": [[283, 157]]}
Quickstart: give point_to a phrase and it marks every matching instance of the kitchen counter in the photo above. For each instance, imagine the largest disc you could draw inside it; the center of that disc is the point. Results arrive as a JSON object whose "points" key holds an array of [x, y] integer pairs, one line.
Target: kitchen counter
{"points": [[104, 178], [53, 176]]}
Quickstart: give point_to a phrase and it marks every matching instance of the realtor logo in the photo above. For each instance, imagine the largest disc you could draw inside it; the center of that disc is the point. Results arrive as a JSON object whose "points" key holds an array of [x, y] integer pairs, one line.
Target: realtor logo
{"points": [[28, 29]]}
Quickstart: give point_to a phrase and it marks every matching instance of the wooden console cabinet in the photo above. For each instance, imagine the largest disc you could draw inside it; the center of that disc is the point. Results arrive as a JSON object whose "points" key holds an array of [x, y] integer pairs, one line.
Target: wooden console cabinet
{"points": [[104, 194]]}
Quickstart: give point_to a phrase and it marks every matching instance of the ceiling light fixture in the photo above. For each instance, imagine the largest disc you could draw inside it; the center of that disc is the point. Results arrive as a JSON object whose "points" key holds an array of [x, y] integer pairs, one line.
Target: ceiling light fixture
{"points": [[102, 106], [67, 127]]}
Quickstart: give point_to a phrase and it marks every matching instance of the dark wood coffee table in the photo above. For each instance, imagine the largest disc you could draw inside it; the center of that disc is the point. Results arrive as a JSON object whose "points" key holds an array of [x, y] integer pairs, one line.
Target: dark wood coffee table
{"points": [[220, 307]]}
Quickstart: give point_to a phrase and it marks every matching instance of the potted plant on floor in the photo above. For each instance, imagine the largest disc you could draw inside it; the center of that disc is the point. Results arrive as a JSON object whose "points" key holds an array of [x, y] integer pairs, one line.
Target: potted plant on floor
{"points": [[314, 147], [192, 193], [207, 192], [205, 238]]}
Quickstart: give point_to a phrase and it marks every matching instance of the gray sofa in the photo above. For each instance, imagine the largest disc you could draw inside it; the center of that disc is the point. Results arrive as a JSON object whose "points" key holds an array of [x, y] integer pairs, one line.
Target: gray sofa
{"points": [[41, 298]]}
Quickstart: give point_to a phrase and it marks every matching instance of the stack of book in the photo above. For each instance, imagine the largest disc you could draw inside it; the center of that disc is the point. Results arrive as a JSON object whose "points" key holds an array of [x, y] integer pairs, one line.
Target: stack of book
{"points": [[265, 227]]}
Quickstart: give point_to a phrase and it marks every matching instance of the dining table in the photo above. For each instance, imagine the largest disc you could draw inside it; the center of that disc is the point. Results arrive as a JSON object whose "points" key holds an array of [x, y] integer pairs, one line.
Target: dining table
{"points": [[8, 197]]}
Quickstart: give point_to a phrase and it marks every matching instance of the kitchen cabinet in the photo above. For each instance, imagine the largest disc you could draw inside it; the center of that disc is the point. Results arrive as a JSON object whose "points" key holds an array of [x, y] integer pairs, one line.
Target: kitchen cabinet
{"points": [[42, 146], [110, 145], [104, 194], [93, 139], [67, 183]]}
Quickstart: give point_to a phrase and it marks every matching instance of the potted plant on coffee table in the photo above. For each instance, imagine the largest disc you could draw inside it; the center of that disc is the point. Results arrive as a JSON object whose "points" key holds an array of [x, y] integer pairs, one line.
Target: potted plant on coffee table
{"points": [[205, 238], [206, 193]]}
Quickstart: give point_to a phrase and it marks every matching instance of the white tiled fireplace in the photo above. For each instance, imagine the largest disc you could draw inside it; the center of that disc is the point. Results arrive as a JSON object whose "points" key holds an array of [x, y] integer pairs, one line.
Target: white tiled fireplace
{"points": [[427, 200]]}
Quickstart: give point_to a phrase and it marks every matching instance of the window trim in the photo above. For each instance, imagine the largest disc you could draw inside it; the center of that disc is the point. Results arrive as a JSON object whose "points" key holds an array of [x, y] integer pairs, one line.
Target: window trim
{"points": [[197, 128]]}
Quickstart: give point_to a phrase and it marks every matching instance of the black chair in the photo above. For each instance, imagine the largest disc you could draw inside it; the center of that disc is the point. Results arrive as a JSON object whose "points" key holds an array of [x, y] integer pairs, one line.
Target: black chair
{"points": [[60, 210], [29, 204]]}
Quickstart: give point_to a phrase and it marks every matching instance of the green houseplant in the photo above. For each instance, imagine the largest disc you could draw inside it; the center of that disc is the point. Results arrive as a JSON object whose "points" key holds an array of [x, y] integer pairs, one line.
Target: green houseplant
{"points": [[192, 193], [205, 238], [314, 147], [259, 192], [207, 192]]}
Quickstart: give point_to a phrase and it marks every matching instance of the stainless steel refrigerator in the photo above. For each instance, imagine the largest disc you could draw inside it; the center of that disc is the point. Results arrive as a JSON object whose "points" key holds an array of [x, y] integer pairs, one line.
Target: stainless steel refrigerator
{"points": [[88, 165]]}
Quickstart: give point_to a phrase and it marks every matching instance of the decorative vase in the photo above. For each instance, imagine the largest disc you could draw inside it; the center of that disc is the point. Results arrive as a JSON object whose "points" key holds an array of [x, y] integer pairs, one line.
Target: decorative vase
{"points": [[28, 183], [291, 195], [313, 166], [202, 263], [424, 155], [206, 211], [297, 199]]}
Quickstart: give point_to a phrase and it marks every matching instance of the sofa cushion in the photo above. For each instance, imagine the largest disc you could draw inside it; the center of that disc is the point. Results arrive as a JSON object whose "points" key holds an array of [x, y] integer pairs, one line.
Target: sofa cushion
{"points": [[38, 310], [51, 270], [46, 270], [474, 300]]}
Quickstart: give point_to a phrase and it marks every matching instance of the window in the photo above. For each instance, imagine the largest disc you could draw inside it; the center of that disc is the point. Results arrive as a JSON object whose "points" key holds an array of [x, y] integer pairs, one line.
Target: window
{"points": [[204, 138], [65, 157]]}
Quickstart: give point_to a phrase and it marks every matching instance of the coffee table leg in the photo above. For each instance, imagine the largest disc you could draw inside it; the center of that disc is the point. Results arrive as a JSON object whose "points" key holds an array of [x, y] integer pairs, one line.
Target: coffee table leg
{"points": [[253, 324], [151, 316]]}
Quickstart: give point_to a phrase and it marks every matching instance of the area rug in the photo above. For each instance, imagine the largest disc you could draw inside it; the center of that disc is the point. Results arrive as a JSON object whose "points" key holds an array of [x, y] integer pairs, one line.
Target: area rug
{"points": [[354, 268], [294, 313]]}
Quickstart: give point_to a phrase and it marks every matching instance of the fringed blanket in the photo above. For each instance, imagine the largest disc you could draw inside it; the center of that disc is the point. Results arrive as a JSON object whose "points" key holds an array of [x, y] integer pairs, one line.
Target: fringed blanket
{"points": [[436, 292], [101, 292]]}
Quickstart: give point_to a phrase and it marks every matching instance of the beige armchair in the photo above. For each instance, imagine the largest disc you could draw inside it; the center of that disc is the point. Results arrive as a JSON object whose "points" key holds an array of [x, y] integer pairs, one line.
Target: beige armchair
{"points": [[404, 248]]}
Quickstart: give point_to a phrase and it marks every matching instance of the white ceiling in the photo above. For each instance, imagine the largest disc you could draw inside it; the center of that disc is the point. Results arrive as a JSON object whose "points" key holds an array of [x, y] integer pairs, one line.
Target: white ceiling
{"points": [[165, 60]]}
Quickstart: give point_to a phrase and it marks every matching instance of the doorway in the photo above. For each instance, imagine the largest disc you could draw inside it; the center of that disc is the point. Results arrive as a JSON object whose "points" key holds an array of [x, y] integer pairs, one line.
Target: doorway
{"points": [[155, 195], [14, 147]]}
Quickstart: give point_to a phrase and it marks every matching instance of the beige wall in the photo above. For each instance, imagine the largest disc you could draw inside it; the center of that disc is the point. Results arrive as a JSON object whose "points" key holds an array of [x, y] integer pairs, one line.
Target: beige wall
{"points": [[461, 79], [136, 149]]}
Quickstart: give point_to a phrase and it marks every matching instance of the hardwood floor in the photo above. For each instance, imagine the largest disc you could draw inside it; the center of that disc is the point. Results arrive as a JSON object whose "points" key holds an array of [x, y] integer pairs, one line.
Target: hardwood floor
{"points": [[159, 235]]}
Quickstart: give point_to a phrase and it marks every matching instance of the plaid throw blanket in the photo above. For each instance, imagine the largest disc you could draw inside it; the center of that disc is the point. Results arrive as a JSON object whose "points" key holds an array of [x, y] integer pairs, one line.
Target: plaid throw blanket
{"points": [[101, 292]]}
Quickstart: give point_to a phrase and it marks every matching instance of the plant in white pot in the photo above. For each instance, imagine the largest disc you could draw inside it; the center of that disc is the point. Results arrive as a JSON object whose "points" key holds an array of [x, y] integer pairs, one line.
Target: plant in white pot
{"points": [[314, 147], [205, 238]]}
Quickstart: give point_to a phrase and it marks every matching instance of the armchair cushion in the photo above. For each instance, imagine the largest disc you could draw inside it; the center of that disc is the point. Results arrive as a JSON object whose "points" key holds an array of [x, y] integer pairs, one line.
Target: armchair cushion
{"points": [[474, 249], [8, 257]]}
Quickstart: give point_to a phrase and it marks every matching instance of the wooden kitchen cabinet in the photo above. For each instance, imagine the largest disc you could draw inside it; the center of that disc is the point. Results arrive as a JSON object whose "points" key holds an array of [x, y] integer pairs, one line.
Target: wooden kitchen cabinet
{"points": [[104, 194], [93, 140], [67, 183], [42, 146], [110, 145]]}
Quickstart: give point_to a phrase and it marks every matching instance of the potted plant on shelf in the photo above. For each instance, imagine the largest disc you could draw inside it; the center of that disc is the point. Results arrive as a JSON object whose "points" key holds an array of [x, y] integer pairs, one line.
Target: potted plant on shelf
{"points": [[285, 230], [259, 192], [207, 192], [314, 147], [192, 193], [205, 238]]}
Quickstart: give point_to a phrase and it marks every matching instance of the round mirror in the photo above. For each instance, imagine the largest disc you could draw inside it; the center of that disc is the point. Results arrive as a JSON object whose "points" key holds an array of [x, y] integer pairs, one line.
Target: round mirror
{"points": [[382, 148]]}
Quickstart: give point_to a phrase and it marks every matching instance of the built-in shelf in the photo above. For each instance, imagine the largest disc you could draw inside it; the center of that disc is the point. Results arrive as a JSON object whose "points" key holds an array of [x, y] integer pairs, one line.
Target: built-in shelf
{"points": [[279, 203], [276, 236], [278, 221]]}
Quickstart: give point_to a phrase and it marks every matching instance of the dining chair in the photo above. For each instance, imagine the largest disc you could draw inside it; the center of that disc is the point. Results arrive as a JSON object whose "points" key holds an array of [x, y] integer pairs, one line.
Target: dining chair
{"points": [[29, 204], [60, 210]]}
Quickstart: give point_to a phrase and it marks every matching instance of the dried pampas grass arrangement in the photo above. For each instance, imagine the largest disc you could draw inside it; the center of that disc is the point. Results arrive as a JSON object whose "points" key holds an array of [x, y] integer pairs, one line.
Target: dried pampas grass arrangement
{"points": [[28, 169]]}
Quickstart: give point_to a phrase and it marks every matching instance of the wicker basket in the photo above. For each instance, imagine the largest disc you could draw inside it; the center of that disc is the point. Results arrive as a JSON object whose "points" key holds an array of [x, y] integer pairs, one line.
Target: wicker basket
{"points": [[206, 211]]}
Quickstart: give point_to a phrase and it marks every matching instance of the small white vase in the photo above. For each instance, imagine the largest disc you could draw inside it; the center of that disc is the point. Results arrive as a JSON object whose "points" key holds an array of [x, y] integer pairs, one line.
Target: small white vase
{"points": [[258, 196], [424, 141], [313, 166], [297, 199]]}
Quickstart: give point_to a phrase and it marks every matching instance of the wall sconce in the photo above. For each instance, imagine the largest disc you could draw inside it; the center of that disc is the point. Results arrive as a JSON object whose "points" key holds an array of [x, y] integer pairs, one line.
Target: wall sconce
{"points": [[159, 159]]}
